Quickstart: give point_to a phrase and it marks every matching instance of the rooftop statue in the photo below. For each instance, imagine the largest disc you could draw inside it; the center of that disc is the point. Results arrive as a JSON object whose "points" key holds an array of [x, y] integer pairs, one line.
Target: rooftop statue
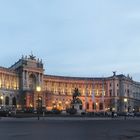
{"points": [[32, 57]]}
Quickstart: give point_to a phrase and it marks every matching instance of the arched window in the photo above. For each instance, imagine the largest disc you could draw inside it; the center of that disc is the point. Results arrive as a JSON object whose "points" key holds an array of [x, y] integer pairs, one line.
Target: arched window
{"points": [[32, 82], [87, 105], [14, 102], [6, 100], [101, 106], [80, 107]]}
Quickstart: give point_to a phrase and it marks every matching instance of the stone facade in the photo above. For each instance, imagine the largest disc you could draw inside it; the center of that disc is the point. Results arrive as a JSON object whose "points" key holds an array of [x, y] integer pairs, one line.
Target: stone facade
{"points": [[18, 88]]}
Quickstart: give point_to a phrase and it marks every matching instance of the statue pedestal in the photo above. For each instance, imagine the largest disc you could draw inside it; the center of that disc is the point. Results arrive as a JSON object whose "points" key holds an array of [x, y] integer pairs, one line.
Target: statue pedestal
{"points": [[78, 107]]}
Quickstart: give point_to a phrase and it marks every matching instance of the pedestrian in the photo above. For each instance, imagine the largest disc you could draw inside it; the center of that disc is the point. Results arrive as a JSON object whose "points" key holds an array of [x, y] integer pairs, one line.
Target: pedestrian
{"points": [[112, 114]]}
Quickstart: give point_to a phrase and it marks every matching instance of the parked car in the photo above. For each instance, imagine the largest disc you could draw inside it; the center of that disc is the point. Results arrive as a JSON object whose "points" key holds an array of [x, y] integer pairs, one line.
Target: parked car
{"points": [[111, 114], [115, 114], [4, 113], [137, 114], [130, 114], [121, 113]]}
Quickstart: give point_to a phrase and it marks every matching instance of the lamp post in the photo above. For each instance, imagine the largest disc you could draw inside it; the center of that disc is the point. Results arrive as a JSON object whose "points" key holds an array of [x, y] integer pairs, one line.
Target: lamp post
{"points": [[38, 89], [1, 97], [125, 102], [96, 106]]}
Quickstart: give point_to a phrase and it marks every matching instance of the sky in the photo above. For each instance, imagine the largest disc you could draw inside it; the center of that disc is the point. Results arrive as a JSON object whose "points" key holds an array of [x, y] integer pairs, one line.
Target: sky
{"points": [[83, 38]]}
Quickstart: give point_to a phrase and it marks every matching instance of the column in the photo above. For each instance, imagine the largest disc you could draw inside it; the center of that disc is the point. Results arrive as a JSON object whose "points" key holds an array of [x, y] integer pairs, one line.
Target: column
{"points": [[39, 79], [9, 80], [43, 100], [3, 101], [27, 79], [0, 80], [35, 99], [42, 81], [23, 79]]}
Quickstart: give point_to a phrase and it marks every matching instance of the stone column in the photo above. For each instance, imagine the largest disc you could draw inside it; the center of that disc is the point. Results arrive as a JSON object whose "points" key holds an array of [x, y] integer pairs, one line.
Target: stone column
{"points": [[0, 80], [23, 79], [42, 81], [39, 79], [3, 101], [27, 79], [43, 100], [35, 99], [4, 80]]}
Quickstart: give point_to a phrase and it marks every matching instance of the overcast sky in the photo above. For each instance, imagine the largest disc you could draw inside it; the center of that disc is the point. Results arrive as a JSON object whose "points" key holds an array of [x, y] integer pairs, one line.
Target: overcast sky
{"points": [[73, 37]]}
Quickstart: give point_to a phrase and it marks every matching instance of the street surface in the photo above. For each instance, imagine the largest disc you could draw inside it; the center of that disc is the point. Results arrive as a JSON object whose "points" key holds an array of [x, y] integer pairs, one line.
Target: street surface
{"points": [[69, 129]]}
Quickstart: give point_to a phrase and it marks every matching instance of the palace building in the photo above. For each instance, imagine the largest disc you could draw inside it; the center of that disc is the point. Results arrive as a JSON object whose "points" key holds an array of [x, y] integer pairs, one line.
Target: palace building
{"points": [[18, 88]]}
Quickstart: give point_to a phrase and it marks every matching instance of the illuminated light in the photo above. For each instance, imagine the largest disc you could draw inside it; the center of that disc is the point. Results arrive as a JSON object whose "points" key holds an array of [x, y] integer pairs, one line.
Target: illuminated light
{"points": [[54, 106], [125, 99], [60, 102], [66, 102], [53, 102], [104, 93], [1, 97], [97, 93], [31, 105], [38, 88], [96, 103], [17, 106], [107, 109]]}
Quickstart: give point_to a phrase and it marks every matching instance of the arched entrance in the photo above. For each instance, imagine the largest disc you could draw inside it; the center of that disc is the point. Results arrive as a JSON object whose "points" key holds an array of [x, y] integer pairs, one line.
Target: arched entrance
{"points": [[101, 106], [6, 100], [14, 102]]}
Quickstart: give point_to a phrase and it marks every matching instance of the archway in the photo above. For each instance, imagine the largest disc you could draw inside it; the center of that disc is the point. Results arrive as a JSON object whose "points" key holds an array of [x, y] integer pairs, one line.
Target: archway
{"points": [[101, 106], [87, 106], [14, 102], [6, 100]]}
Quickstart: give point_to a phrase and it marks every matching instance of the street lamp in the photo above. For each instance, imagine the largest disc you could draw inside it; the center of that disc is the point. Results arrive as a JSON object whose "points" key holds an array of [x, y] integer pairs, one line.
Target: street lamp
{"points": [[96, 106], [125, 101], [1, 97], [38, 89]]}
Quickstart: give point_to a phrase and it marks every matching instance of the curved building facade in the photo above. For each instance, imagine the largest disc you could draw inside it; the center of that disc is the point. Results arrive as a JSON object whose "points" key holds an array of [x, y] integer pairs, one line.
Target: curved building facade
{"points": [[19, 82]]}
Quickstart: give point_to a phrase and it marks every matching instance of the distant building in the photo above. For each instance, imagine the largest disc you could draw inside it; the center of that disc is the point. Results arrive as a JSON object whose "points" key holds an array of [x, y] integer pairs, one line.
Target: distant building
{"points": [[19, 82]]}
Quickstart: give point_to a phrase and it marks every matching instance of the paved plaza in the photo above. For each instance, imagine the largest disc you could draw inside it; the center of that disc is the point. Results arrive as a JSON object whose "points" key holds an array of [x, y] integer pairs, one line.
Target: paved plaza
{"points": [[58, 128]]}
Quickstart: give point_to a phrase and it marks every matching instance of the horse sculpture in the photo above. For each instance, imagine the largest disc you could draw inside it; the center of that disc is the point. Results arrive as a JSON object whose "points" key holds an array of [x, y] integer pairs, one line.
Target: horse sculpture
{"points": [[76, 93]]}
